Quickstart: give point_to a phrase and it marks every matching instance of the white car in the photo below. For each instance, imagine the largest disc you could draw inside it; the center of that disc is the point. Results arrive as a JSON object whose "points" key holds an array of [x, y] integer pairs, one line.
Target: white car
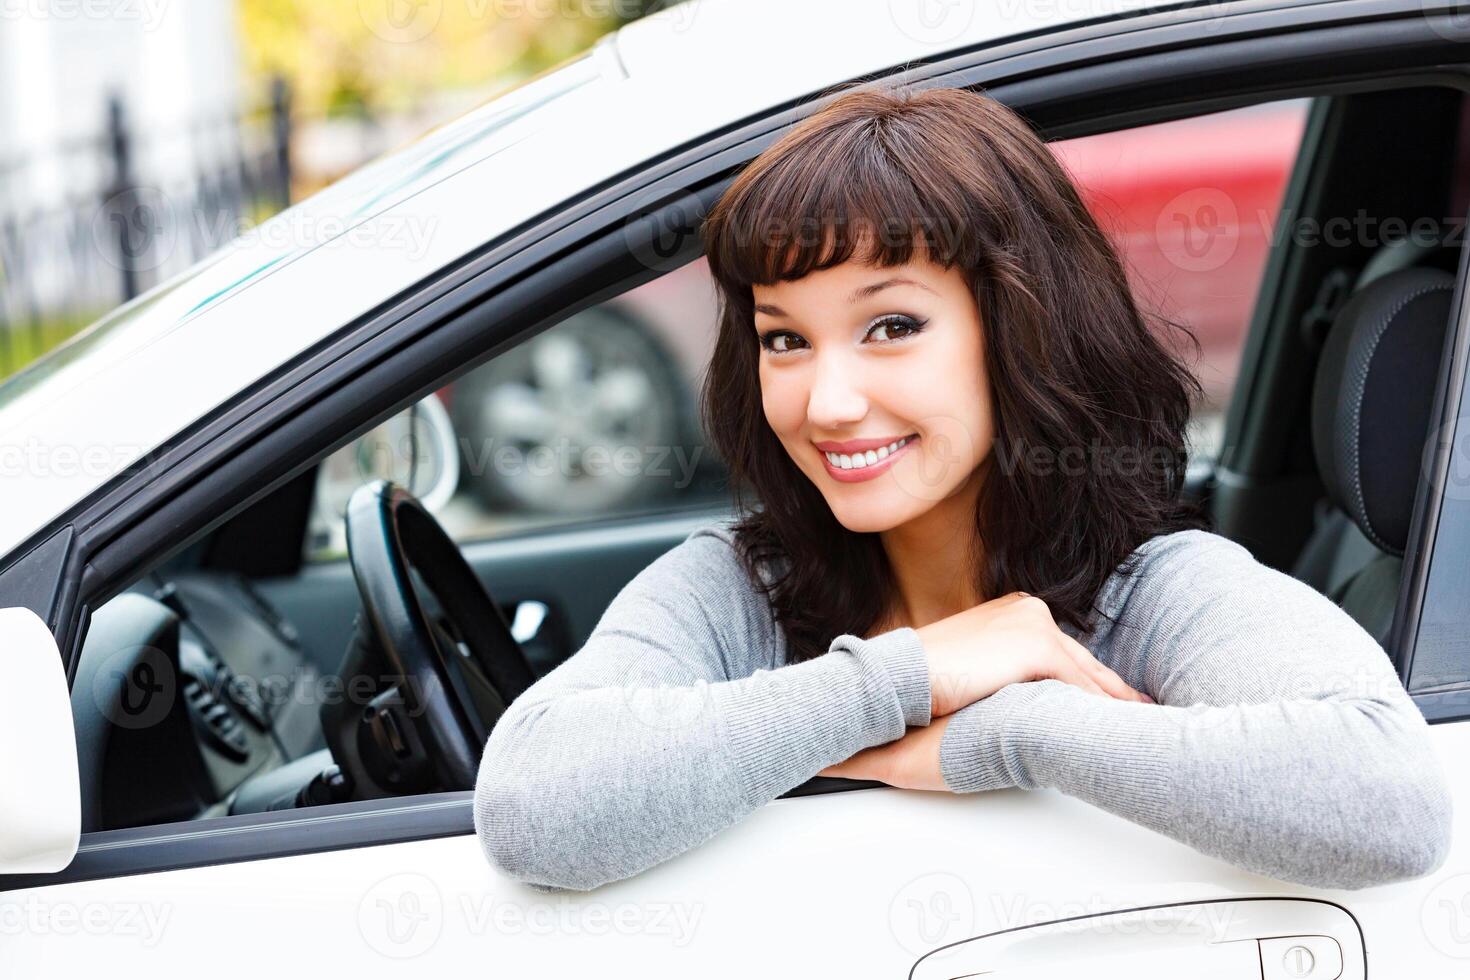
{"points": [[230, 755]]}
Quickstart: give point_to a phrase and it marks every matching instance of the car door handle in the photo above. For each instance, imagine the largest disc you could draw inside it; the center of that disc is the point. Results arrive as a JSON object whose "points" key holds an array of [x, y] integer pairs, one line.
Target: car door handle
{"points": [[1232, 939]]}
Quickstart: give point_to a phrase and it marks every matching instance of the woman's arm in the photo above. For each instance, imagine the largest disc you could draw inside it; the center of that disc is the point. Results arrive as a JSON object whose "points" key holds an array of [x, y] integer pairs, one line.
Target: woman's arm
{"points": [[670, 724], [1283, 741]]}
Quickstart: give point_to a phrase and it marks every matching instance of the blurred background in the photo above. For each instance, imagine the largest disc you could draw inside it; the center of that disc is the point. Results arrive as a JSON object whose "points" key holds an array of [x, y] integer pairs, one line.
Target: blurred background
{"points": [[138, 137], [141, 135]]}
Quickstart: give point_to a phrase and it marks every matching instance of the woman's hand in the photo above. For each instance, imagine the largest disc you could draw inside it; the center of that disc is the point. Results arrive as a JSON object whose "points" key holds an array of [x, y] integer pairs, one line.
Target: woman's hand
{"points": [[972, 655], [1009, 639], [910, 762]]}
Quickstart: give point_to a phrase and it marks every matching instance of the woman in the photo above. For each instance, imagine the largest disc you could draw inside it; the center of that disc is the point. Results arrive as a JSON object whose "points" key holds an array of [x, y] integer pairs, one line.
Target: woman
{"points": [[965, 565]]}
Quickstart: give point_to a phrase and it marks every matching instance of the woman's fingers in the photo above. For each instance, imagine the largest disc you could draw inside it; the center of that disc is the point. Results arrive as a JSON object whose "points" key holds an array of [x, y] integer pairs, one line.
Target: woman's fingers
{"points": [[1069, 671], [1107, 678]]}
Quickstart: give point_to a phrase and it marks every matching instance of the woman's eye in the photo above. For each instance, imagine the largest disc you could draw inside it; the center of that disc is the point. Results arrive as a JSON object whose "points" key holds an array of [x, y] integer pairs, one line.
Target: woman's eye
{"points": [[778, 341], [899, 327]]}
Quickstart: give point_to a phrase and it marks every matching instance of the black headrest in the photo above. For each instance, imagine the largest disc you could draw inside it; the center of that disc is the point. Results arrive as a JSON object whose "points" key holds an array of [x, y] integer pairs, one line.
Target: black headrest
{"points": [[1372, 397]]}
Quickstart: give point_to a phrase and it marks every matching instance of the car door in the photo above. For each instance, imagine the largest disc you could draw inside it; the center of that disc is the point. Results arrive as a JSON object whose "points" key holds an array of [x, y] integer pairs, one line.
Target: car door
{"points": [[829, 881]]}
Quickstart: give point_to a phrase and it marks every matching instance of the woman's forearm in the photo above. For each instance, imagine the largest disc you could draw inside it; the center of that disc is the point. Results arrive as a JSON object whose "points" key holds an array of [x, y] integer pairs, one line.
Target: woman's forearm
{"points": [[1331, 793], [594, 775], [1283, 740]]}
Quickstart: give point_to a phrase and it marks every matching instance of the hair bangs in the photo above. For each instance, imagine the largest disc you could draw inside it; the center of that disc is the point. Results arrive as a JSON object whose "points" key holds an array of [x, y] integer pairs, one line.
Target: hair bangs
{"points": [[849, 198]]}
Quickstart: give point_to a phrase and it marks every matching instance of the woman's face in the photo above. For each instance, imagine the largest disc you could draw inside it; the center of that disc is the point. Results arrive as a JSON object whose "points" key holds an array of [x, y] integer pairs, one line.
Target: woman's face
{"points": [[856, 358]]}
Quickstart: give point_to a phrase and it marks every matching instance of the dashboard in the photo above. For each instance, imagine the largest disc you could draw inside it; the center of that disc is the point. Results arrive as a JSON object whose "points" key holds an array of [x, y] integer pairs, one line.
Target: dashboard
{"points": [[192, 697]]}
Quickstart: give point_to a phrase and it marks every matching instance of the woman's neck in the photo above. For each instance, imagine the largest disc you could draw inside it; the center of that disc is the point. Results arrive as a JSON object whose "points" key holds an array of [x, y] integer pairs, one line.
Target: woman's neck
{"points": [[934, 557]]}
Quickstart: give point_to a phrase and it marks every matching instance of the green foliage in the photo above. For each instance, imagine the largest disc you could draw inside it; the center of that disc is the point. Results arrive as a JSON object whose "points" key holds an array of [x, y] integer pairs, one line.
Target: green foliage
{"points": [[369, 56]]}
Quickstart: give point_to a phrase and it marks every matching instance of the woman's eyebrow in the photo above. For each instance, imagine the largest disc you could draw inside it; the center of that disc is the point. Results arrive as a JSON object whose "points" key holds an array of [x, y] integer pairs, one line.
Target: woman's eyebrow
{"points": [[859, 294], [863, 292]]}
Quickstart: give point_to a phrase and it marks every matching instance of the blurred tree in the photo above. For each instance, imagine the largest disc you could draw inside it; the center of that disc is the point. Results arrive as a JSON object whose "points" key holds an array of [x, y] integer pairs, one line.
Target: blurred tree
{"points": [[371, 56]]}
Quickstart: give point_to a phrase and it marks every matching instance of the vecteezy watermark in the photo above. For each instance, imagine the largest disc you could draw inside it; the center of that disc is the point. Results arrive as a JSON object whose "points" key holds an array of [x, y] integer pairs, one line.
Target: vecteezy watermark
{"points": [[667, 707], [932, 21], [563, 10], [1053, 11], [1452, 438], [1198, 230], [936, 234], [1449, 21], [135, 687], [410, 21], [937, 22], [1445, 916], [36, 917], [34, 458], [947, 454], [404, 915], [148, 13], [401, 916], [568, 459], [677, 921], [1100, 915], [932, 910], [1201, 229], [1097, 458], [138, 229], [401, 21], [660, 231]]}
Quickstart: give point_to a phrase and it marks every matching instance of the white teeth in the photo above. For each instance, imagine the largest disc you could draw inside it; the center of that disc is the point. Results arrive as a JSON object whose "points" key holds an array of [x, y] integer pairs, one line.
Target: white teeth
{"points": [[857, 461]]}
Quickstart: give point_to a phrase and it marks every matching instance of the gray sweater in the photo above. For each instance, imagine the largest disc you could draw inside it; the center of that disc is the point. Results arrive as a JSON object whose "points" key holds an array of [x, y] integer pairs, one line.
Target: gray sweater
{"points": [[1282, 741]]}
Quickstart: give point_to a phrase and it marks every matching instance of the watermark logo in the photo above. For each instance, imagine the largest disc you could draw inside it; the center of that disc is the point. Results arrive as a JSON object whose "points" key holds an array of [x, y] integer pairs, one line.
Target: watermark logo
{"points": [[676, 921], [944, 456], [148, 13], [401, 916], [1199, 230], [401, 21], [136, 229], [932, 21], [144, 921], [135, 687], [667, 707], [662, 228], [932, 910], [1451, 22], [1445, 917], [1452, 436]]}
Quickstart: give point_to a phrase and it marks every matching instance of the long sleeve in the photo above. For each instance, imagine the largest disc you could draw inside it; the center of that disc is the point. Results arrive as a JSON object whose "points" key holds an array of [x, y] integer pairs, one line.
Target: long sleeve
{"points": [[673, 722], [1283, 741]]}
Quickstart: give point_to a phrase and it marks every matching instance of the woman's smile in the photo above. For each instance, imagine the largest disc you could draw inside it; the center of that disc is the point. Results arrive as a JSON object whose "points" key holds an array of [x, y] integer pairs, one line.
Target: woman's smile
{"points": [[855, 467]]}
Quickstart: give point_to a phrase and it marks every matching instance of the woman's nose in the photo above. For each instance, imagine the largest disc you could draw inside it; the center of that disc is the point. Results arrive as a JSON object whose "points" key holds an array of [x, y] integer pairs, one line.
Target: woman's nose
{"points": [[836, 398]]}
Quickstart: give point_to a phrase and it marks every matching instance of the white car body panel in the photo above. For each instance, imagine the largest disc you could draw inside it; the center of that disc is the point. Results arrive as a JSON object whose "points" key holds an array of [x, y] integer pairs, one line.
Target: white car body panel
{"points": [[840, 889], [210, 332]]}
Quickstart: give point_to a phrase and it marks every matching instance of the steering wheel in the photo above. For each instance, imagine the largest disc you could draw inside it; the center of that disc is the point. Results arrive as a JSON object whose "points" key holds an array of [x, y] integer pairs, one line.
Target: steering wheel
{"points": [[454, 675]]}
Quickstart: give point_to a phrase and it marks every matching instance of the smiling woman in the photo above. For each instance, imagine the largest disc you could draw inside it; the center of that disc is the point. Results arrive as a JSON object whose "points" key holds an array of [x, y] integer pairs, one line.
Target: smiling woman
{"points": [[962, 560]]}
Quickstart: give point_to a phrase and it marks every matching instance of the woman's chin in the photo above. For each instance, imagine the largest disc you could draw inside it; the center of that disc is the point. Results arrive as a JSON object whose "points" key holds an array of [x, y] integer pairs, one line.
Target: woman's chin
{"points": [[880, 513]]}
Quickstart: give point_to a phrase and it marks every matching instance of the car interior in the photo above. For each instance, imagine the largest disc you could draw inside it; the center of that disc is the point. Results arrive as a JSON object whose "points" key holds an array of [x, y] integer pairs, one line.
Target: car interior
{"points": [[290, 683]]}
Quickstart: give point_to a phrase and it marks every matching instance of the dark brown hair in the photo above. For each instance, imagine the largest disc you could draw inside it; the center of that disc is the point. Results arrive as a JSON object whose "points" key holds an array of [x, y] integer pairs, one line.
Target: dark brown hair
{"points": [[882, 175]]}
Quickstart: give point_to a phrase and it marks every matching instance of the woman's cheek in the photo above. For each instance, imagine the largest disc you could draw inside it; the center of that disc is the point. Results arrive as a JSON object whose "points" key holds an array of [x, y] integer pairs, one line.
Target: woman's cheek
{"points": [[782, 405]]}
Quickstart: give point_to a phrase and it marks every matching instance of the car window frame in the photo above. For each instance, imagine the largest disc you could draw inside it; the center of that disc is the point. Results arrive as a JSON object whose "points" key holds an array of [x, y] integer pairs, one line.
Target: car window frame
{"points": [[1440, 519]]}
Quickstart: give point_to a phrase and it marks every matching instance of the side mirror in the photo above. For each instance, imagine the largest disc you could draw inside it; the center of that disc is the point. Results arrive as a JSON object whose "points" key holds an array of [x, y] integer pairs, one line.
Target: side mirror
{"points": [[41, 804]]}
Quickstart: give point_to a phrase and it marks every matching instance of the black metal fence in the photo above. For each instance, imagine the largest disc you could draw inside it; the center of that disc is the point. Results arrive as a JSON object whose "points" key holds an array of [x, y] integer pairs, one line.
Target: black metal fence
{"points": [[88, 225]]}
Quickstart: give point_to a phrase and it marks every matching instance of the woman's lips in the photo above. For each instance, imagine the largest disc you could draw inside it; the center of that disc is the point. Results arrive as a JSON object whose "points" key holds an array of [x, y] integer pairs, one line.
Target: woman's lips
{"points": [[868, 472]]}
